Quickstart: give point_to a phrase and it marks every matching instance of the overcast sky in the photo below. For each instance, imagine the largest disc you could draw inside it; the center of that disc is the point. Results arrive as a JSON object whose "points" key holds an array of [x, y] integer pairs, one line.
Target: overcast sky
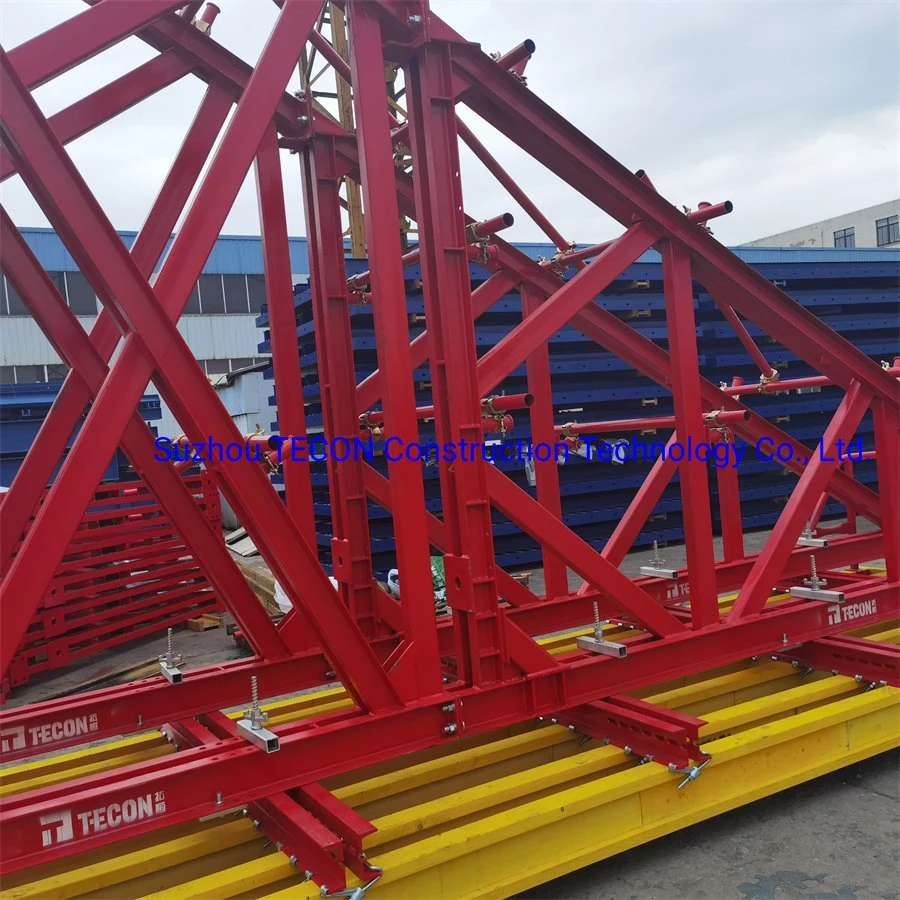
{"points": [[789, 109]]}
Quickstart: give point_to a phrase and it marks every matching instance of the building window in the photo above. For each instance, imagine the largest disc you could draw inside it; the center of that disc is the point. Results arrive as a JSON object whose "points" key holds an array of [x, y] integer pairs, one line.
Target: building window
{"points": [[16, 305], [217, 367], [7, 374], [256, 285], [57, 372], [81, 295], [29, 374], [845, 237], [236, 294], [212, 297], [887, 231], [193, 304]]}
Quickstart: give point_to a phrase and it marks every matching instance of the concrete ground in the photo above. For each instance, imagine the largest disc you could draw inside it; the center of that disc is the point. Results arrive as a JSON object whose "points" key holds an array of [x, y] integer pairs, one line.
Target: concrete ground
{"points": [[836, 837]]}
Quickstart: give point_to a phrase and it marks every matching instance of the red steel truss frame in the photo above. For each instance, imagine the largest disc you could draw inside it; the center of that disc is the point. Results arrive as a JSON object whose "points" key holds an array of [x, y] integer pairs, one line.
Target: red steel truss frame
{"points": [[125, 575], [416, 683]]}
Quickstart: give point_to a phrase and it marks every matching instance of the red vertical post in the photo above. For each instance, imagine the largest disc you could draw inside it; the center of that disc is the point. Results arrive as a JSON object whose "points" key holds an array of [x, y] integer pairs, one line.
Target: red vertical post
{"points": [[283, 328], [729, 503], [469, 564], [537, 368], [350, 547], [887, 448], [679, 298], [392, 336]]}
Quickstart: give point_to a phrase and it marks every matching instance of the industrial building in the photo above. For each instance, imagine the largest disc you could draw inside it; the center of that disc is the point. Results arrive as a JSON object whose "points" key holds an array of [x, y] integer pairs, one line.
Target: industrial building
{"points": [[874, 226]]}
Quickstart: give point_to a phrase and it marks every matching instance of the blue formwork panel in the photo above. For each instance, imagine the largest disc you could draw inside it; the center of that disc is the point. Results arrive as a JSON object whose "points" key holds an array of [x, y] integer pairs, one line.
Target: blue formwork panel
{"points": [[855, 292], [23, 408]]}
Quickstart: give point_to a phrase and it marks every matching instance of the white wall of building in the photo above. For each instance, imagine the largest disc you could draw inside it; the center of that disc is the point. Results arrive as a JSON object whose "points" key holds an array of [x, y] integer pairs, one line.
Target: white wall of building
{"points": [[822, 234]]}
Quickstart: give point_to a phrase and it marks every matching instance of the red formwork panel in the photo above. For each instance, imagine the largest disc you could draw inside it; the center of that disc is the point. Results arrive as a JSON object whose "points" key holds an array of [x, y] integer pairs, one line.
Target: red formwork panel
{"points": [[416, 682], [127, 574]]}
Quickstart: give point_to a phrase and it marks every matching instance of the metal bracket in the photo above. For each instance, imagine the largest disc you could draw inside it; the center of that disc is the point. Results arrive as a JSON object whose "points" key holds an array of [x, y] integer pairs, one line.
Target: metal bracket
{"points": [[692, 772], [258, 736], [357, 893], [808, 593], [597, 645]]}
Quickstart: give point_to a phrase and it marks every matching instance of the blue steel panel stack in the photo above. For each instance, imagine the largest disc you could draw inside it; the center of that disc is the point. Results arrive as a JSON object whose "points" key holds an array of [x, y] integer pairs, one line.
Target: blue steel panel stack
{"points": [[23, 408], [856, 292]]}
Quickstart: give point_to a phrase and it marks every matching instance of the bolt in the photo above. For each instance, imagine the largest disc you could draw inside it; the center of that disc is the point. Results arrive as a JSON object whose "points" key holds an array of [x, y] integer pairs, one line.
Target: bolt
{"points": [[450, 729], [256, 824], [571, 728], [307, 875], [169, 644], [598, 625], [140, 720], [448, 708], [293, 861], [329, 673], [219, 799], [414, 20], [784, 639], [302, 119], [627, 749], [254, 691], [279, 846]]}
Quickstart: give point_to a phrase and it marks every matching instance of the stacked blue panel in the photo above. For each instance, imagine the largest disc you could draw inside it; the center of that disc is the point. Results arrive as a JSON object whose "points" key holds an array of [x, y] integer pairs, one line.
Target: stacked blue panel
{"points": [[857, 294], [23, 408]]}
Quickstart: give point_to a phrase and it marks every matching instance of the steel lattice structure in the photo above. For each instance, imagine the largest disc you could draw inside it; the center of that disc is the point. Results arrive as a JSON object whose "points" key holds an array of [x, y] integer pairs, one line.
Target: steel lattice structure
{"points": [[416, 682]]}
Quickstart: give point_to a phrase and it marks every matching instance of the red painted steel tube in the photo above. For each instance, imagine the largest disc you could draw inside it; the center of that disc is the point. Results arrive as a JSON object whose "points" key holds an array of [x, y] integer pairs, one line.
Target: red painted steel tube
{"points": [[483, 298], [790, 384], [479, 231], [700, 216], [283, 326], [469, 561], [421, 666], [361, 281], [61, 48], [517, 55], [796, 513], [512, 349], [746, 340], [721, 417], [546, 472], [494, 167], [110, 100], [729, 509], [55, 431], [318, 40], [499, 403], [350, 545], [694, 480]]}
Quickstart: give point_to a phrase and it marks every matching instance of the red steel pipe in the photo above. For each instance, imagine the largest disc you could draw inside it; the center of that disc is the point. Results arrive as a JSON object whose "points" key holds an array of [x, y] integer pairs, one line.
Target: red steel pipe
{"points": [[775, 387], [722, 417], [517, 54], [701, 215]]}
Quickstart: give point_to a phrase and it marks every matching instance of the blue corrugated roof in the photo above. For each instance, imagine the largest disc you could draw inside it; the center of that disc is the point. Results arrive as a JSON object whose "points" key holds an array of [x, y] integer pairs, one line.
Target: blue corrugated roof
{"points": [[235, 254]]}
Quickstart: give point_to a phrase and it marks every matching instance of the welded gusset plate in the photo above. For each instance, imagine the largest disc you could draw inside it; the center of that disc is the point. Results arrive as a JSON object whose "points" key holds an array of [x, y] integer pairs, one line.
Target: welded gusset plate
{"points": [[644, 730]]}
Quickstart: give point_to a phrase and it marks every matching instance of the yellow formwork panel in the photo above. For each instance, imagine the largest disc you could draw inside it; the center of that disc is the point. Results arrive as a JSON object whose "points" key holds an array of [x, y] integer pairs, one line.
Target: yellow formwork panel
{"points": [[495, 814]]}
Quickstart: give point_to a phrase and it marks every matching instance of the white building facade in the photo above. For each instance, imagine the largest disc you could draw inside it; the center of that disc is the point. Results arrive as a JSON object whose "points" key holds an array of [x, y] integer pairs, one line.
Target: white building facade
{"points": [[874, 226]]}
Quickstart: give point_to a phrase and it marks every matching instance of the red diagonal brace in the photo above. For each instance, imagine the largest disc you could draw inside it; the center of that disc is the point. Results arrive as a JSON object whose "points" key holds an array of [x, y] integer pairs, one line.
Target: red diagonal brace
{"points": [[542, 525]]}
